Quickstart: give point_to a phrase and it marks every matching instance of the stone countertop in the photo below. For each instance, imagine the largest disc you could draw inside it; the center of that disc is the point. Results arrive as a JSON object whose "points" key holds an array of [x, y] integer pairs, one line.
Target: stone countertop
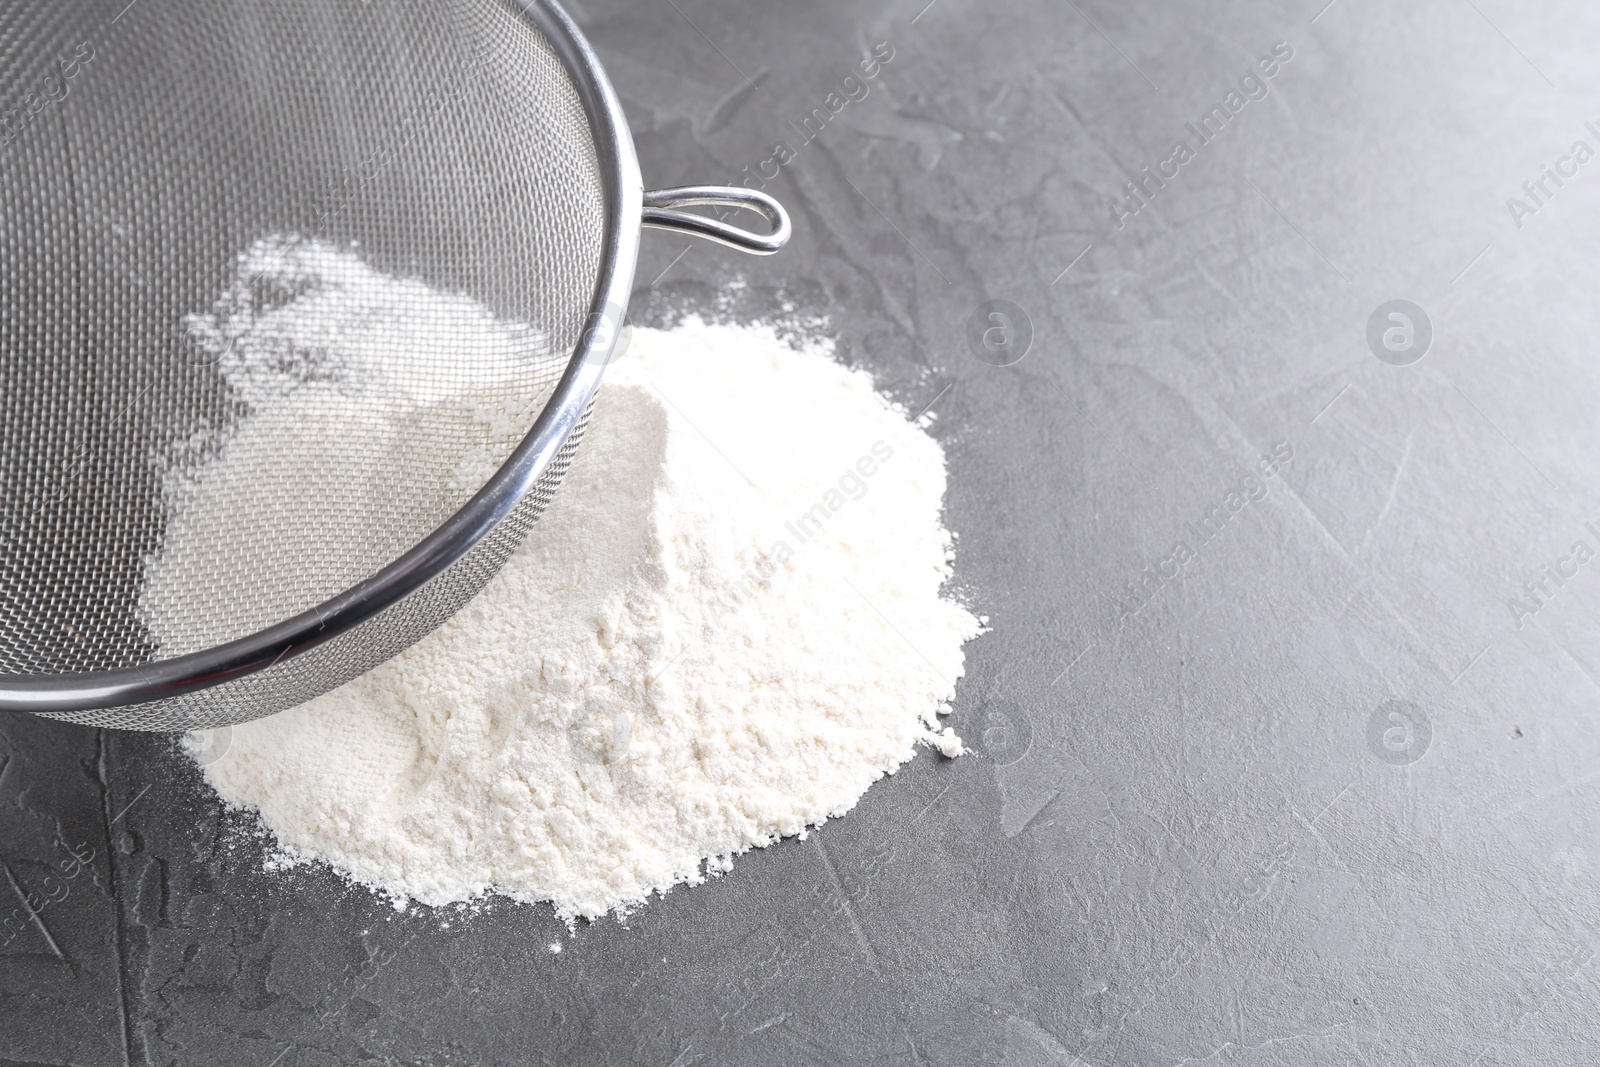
{"points": [[1284, 729]]}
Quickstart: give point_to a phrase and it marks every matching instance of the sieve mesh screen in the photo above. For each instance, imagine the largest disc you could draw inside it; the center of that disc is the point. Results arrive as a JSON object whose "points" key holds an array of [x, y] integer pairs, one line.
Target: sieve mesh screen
{"points": [[143, 150]]}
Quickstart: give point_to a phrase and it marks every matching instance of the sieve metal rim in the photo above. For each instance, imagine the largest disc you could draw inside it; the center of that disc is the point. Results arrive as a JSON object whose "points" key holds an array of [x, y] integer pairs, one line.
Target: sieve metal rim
{"points": [[624, 202]]}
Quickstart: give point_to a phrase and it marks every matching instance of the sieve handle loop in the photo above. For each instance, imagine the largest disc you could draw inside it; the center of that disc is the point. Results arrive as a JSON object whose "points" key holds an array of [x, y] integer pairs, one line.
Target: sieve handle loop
{"points": [[661, 210]]}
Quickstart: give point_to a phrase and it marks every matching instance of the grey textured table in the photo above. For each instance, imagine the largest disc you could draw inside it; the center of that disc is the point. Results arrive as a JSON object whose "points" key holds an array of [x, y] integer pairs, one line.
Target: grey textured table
{"points": [[1282, 761]]}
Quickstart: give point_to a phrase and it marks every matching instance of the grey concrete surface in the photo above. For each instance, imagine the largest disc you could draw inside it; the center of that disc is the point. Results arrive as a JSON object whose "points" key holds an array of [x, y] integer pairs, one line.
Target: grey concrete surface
{"points": [[1272, 770]]}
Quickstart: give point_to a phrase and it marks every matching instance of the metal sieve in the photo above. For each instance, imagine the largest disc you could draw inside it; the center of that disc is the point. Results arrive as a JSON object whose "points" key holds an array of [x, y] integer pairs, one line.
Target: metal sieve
{"points": [[474, 147]]}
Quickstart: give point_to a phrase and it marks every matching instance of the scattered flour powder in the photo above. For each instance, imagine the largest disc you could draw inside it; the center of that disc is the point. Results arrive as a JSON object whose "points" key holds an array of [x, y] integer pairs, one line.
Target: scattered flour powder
{"points": [[726, 627]]}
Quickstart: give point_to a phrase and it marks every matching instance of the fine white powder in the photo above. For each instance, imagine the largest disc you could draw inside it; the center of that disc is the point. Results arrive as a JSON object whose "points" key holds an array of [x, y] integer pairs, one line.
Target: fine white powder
{"points": [[370, 409], [727, 625]]}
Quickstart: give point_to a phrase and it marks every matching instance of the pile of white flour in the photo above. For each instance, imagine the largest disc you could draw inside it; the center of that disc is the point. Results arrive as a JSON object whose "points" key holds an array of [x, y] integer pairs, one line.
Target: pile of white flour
{"points": [[356, 390], [724, 629]]}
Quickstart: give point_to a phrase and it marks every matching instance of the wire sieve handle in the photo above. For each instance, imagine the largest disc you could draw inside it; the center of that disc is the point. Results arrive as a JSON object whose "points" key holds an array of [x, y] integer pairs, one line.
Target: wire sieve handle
{"points": [[661, 211]]}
